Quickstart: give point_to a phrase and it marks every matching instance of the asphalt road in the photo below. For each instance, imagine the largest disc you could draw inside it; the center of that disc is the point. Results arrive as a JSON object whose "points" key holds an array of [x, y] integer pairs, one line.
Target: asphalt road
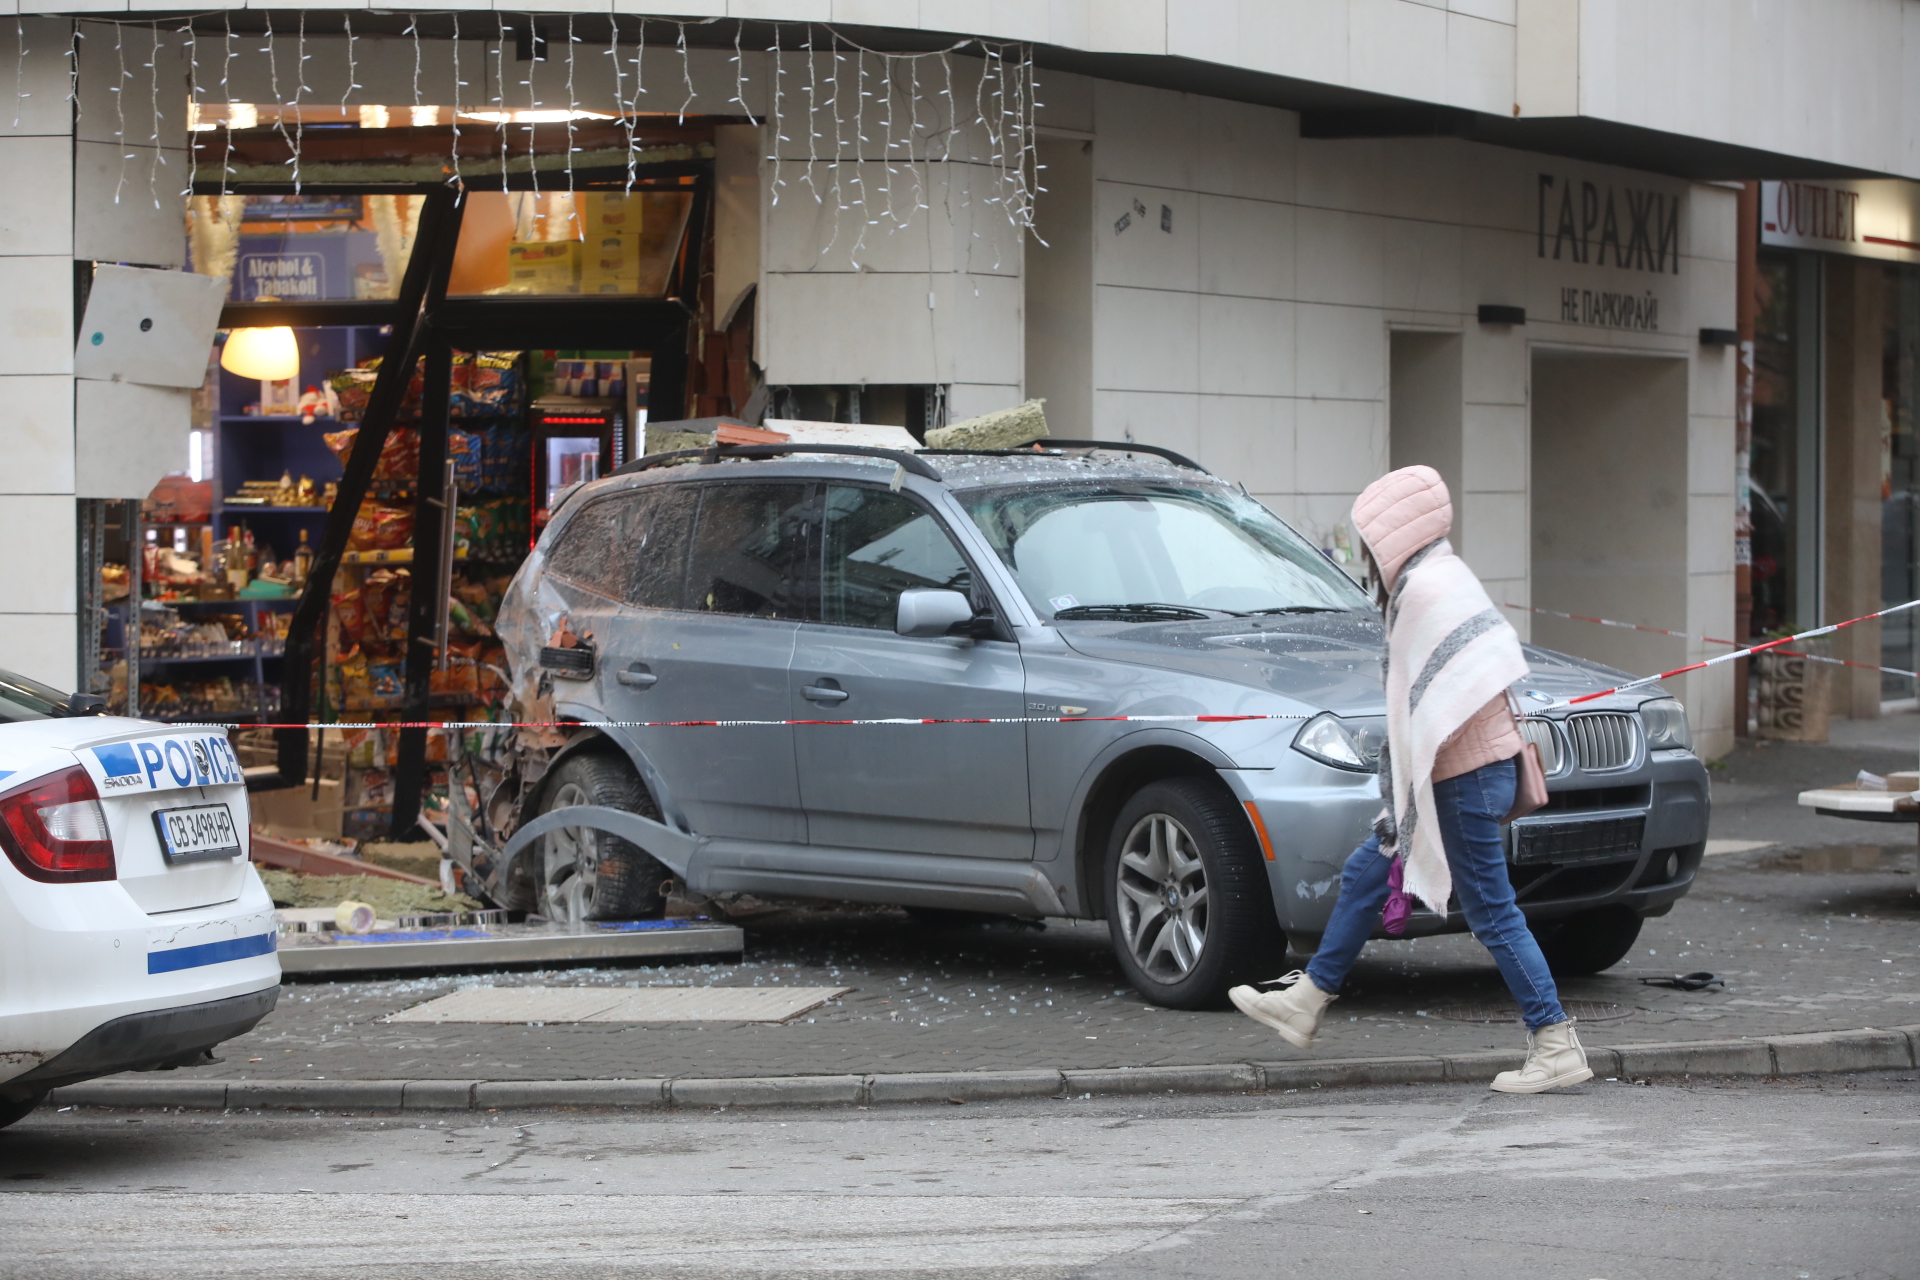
{"points": [[1797, 1180]]}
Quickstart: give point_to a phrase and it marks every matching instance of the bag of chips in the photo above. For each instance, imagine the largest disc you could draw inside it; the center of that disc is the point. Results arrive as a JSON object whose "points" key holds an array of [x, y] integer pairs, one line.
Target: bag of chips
{"points": [[378, 527], [356, 675], [389, 679], [351, 610], [467, 451]]}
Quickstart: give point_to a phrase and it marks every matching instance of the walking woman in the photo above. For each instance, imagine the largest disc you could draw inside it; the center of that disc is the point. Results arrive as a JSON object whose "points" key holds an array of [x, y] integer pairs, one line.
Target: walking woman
{"points": [[1447, 775]]}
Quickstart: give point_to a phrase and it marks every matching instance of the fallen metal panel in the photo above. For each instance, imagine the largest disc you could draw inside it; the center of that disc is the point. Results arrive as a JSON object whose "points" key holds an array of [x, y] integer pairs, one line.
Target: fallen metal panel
{"points": [[514, 1004], [620, 1004], [458, 948]]}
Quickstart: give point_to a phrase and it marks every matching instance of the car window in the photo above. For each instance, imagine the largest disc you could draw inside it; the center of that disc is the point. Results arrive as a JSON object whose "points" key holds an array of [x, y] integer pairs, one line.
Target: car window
{"points": [[878, 544], [22, 698], [1087, 547], [660, 536], [594, 550], [749, 553]]}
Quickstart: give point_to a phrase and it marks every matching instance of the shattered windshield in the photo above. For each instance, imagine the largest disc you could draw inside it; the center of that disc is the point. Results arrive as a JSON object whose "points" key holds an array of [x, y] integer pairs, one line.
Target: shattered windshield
{"points": [[1156, 551]]}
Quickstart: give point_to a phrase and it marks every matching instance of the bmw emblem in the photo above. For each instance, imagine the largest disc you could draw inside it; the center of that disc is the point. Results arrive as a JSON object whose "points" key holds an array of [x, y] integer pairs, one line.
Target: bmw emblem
{"points": [[1538, 696]]}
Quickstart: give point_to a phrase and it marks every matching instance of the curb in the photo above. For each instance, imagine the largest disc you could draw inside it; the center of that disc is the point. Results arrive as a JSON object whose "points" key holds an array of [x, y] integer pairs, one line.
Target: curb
{"points": [[1868, 1049]]}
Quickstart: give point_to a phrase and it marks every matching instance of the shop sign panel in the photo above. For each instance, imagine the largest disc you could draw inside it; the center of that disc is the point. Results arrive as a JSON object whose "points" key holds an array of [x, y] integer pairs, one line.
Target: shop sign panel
{"points": [[1607, 251], [1868, 218]]}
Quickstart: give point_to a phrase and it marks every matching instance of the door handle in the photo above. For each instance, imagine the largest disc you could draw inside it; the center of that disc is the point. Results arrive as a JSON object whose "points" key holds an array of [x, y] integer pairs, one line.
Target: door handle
{"points": [[637, 677], [824, 693]]}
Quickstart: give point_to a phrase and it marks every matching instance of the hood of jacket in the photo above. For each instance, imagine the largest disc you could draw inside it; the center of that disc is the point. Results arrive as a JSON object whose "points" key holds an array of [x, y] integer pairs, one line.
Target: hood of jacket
{"points": [[1400, 513]]}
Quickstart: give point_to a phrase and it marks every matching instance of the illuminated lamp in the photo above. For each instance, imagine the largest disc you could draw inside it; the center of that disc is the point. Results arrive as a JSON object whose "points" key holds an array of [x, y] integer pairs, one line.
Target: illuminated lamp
{"points": [[271, 355]]}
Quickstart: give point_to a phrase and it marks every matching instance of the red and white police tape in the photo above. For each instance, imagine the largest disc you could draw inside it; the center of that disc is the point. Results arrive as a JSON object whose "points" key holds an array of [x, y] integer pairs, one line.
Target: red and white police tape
{"points": [[1641, 683], [1688, 635], [1717, 659]]}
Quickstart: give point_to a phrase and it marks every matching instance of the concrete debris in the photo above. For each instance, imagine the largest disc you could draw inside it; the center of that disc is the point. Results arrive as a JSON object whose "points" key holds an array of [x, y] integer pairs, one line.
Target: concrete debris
{"points": [[873, 435], [669, 441], [389, 898], [418, 858], [1006, 429]]}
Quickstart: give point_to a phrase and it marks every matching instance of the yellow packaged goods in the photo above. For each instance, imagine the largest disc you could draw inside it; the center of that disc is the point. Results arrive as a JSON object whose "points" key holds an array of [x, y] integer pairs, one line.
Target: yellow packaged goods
{"points": [[611, 264], [543, 266], [609, 211]]}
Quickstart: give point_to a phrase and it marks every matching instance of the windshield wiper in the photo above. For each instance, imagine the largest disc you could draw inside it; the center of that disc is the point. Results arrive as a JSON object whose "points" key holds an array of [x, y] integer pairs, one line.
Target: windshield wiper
{"points": [[1142, 612], [1302, 608]]}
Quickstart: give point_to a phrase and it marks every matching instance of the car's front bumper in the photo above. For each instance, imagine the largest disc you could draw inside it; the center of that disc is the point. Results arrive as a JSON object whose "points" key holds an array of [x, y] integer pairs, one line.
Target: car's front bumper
{"points": [[1316, 816]]}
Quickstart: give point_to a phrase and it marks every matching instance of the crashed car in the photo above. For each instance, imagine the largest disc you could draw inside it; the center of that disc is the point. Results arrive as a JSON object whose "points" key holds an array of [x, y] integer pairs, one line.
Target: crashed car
{"points": [[134, 932], [1043, 634]]}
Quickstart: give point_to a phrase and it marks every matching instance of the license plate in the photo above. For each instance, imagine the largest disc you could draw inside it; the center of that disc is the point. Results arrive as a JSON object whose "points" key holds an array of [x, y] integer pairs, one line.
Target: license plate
{"points": [[200, 833]]}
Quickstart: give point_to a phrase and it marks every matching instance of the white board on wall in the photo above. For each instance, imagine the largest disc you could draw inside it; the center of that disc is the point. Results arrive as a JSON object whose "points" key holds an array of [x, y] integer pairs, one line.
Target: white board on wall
{"points": [[127, 436], [149, 326]]}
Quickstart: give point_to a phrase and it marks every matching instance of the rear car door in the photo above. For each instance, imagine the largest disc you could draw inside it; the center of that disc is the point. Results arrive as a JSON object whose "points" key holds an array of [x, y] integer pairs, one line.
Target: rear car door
{"points": [[705, 632], [958, 789]]}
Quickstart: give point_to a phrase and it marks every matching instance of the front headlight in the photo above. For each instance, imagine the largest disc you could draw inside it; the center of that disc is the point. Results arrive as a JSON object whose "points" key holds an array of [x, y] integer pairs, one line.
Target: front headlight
{"points": [[1345, 744], [1665, 721]]}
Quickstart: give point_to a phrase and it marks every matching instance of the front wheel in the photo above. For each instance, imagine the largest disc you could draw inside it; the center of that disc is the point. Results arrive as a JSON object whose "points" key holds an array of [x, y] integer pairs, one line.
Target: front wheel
{"points": [[586, 874], [1187, 900], [1590, 941]]}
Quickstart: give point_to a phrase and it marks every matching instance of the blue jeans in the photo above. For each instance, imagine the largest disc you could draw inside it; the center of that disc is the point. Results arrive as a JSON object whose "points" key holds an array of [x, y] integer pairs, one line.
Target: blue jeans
{"points": [[1470, 808]]}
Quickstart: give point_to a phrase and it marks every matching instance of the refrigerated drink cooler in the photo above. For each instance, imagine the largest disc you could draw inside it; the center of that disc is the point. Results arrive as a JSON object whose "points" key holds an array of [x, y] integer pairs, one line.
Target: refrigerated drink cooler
{"points": [[575, 440]]}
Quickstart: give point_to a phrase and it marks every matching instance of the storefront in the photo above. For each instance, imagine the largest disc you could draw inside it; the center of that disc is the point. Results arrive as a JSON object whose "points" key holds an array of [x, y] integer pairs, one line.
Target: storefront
{"points": [[1835, 473], [786, 220], [406, 378]]}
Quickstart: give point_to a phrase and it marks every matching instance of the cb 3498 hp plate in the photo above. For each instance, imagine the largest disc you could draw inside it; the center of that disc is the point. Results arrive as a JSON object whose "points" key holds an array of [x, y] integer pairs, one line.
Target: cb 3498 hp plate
{"points": [[199, 833]]}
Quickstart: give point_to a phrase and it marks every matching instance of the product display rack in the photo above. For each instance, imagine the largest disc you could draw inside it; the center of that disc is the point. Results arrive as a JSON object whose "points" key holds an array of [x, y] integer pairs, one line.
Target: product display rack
{"points": [[368, 623]]}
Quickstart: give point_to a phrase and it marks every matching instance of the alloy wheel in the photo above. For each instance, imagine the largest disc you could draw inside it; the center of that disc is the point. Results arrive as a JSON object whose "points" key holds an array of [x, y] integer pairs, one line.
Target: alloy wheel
{"points": [[571, 860], [1162, 897]]}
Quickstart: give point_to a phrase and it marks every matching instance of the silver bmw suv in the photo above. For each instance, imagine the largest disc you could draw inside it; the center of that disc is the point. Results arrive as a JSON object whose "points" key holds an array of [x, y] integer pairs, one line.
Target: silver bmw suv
{"points": [[1083, 583]]}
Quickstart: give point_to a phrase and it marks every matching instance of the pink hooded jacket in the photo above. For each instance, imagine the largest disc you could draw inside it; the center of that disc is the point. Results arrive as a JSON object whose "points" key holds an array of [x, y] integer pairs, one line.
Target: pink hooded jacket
{"points": [[1397, 515]]}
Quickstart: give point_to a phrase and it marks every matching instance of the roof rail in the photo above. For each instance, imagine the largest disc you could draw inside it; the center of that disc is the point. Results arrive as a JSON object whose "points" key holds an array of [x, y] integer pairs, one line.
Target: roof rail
{"points": [[721, 452], [1111, 446]]}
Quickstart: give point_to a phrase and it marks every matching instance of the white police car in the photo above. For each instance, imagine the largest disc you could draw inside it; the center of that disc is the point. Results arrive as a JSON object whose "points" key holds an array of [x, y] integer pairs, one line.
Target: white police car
{"points": [[134, 932]]}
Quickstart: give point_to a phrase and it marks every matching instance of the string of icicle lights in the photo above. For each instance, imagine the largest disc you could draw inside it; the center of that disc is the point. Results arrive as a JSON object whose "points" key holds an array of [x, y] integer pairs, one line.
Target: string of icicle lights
{"points": [[859, 131]]}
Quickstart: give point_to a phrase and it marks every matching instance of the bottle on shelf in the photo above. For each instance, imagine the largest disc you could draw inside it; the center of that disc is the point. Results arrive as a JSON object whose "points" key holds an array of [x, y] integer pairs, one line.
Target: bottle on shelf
{"points": [[302, 561]]}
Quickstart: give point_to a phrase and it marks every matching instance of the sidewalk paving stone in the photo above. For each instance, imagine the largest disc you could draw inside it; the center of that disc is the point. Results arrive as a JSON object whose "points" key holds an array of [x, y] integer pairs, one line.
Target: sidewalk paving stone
{"points": [[1801, 952], [1808, 942]]}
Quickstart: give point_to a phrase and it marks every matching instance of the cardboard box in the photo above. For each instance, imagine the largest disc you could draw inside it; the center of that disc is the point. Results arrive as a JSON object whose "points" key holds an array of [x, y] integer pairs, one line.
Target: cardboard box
{"points": [[543, 266], [615, 212], [611, 264]]}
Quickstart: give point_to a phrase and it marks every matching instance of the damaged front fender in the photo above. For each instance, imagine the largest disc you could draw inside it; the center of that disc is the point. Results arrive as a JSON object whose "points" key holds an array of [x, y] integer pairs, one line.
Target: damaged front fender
{"points": [[675, 849]]}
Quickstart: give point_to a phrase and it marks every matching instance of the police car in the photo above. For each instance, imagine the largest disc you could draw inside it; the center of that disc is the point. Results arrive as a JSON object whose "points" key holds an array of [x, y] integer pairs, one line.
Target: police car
{"points": [[134, 932]]}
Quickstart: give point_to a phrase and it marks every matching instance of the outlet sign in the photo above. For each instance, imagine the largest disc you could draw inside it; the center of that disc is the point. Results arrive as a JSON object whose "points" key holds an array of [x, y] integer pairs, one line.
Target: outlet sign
{"points": [[1868, 218]]}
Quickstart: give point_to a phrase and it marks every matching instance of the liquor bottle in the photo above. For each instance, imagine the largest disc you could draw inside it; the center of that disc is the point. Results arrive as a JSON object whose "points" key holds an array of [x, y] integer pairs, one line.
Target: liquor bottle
{"points": [[302, 561]]}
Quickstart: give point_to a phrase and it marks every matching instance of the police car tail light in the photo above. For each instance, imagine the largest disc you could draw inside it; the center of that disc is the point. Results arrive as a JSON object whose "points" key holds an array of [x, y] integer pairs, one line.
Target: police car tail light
{"points": [[54, 830]]}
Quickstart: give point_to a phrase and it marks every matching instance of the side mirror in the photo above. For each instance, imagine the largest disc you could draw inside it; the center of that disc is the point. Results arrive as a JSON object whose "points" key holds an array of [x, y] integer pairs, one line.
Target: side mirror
{"points": [[929, 611]]}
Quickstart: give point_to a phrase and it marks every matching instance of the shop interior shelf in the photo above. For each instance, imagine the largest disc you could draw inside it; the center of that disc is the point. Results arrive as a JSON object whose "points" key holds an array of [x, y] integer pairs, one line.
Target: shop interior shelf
{"points": [[440, 700], [400, 555]]}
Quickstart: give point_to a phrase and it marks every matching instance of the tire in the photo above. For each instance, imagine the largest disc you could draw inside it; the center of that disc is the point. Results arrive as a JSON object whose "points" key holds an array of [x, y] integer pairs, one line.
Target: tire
{"points": [[1588, 942], [13, 1110], [1223, 931], [582, 874]]}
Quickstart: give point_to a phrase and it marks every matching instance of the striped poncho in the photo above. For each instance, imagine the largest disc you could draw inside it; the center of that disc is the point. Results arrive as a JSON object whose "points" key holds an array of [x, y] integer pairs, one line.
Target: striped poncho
{"points": [[1448, 653]]}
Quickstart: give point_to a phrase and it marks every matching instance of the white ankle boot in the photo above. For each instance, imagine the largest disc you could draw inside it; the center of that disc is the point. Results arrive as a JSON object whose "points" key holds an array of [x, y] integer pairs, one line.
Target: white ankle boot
{"points": [[1294, 1011], [1554, 1058]]}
